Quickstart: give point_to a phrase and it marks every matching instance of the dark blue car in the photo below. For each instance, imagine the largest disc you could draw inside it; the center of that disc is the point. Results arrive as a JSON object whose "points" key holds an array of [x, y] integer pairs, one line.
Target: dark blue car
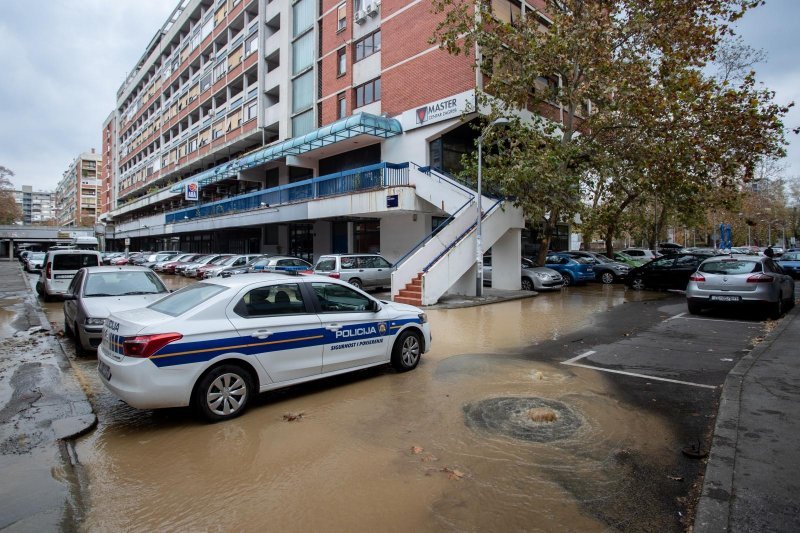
{"points": [[790, 263], [572, 269]]}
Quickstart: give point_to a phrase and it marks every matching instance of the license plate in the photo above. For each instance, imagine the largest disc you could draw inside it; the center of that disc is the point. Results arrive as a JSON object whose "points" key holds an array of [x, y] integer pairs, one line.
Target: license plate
{"points": [[104, 370], [723, 298], [64, 276]]}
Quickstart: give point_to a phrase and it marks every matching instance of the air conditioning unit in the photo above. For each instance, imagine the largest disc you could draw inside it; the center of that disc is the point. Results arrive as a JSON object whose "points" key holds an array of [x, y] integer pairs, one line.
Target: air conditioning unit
{"points": [[372, 9], [360, 17]]}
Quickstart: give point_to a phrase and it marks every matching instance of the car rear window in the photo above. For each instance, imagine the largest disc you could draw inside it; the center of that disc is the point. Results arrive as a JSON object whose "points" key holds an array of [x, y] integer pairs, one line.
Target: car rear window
{"points": [[187, 298], [74, 261], [326, 265], [791, 256], [730, 267]]}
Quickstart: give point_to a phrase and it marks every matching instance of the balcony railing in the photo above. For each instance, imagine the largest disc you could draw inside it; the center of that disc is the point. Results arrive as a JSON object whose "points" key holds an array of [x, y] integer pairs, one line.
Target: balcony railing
{"points": [[379, 176]]}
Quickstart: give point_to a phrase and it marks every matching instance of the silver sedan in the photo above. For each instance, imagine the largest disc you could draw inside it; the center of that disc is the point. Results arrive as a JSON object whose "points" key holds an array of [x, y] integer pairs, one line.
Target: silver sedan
{"points": [[738, 281], [534, 278], [96, 292]]}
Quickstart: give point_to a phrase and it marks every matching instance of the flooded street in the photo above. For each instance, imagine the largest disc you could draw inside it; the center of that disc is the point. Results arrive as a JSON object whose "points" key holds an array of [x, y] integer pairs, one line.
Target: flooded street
{"points": [[447, 446]]}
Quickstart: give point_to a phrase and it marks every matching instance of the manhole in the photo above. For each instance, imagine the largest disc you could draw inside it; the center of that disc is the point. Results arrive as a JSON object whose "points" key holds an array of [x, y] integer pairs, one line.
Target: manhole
{"points": [[529, 419]]}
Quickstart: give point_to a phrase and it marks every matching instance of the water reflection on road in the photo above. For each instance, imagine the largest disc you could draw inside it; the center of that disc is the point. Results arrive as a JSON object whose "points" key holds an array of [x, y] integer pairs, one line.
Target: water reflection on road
{"points": [[377, 450]]}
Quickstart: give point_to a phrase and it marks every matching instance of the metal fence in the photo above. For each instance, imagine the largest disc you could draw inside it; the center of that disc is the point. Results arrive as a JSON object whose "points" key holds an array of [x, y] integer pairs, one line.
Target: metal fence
{"points": [[379, 176]]}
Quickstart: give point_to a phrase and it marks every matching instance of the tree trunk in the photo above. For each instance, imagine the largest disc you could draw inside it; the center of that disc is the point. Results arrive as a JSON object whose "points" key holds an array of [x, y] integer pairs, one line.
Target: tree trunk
{"points": [[609, 239], [544, 240]]}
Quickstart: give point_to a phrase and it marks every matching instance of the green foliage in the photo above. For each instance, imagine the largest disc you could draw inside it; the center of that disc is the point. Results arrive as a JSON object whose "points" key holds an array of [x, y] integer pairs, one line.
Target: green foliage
{"points": [[9, 210]]}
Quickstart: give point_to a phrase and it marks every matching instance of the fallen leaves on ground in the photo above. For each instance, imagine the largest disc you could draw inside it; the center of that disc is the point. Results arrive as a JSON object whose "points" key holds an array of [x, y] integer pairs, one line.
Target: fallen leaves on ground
{"points": [[293, 417], [416, 450]]}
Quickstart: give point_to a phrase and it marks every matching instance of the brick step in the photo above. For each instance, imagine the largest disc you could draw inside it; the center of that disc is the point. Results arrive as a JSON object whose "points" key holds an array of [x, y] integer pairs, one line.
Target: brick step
{"points": [[409, 301], [410, 293]]}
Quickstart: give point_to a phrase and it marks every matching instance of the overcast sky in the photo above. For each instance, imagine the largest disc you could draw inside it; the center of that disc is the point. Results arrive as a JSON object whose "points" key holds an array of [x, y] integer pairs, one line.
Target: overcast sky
{"points": [[62, 62]]}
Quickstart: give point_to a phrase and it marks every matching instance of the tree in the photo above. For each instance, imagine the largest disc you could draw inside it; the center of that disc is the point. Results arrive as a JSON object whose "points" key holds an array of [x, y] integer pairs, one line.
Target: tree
{"points": [[609, 104], [10, 212]]}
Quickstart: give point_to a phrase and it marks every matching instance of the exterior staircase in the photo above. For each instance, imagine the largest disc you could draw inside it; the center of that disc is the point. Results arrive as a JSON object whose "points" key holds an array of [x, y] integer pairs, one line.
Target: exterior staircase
{"points": [[412, 294]]}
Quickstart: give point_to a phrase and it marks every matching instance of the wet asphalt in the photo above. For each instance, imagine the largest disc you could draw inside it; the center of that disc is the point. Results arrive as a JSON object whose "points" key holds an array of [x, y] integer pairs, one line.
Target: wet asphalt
{"points": [[626, 381]]}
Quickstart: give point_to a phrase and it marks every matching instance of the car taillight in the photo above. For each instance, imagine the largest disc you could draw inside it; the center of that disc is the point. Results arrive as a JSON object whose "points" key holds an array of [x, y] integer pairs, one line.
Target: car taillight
{"points": [[760, 278], [697, 276], [146, 345], [334, 275], [307, 272], [49, 270]]}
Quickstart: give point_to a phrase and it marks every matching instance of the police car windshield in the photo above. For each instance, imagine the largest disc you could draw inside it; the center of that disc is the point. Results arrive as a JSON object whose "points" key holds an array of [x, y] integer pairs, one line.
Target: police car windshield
{"points": [[187, 298]]}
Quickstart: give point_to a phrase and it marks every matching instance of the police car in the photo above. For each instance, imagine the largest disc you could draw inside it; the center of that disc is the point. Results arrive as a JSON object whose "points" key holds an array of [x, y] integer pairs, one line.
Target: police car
{"points": [[216, 343]]}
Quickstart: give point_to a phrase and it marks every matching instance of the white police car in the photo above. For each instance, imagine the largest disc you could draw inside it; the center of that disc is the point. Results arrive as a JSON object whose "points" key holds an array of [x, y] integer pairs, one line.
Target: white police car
{"points": [[214, 344]]}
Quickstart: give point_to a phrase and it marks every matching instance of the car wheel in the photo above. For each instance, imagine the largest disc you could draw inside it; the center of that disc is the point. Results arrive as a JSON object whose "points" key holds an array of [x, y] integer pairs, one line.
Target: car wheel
{"points": [[790, 302], [39, 288], [355, 282], [568, 280], [607, 278], [80, 351], [223, 392], [406, 351], [776, 309], [637, 284], [527, 284], [68, 330], [694, 308]]}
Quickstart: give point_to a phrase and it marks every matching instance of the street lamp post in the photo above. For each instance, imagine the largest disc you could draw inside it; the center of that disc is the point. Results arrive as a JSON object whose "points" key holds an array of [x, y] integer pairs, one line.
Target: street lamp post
{"points": [[478, 228]]}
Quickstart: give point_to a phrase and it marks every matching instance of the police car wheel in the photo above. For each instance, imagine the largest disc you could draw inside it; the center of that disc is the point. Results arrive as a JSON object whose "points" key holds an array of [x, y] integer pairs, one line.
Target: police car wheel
{"points": [[223, 392], [406, 351]]}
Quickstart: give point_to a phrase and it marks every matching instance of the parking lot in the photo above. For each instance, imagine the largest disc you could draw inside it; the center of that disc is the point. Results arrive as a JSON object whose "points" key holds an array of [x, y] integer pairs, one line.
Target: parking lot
{"points": [[628, 377]]}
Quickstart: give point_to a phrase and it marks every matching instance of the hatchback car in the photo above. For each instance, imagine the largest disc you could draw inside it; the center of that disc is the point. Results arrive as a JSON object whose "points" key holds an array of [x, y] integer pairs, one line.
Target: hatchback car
{"points": [[280, 263], [216, 343], [669, 272], [641, 254], [359, 270], [605, 270], [573, 269], [34, 261], [736, 281], [95, 292]]}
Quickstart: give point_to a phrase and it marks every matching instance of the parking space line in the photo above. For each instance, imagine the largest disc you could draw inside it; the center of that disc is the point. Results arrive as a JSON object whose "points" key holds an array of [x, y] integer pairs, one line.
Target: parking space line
{"points": [[635, 375], [674, 317], [581, 356]]}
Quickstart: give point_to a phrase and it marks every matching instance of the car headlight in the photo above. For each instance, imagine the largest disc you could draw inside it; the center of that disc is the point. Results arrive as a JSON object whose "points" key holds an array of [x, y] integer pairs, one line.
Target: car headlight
{"points": [[541, 275], [95, 321], [423, 318]]}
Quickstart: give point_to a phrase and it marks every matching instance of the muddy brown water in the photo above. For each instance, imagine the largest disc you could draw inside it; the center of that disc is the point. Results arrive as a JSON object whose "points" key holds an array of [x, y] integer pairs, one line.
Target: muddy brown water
{"points": [[377, 450]]}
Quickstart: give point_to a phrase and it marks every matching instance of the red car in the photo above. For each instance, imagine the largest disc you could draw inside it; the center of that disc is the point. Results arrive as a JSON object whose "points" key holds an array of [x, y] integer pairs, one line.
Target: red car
{"points": [[212, 264], [169, 268]]}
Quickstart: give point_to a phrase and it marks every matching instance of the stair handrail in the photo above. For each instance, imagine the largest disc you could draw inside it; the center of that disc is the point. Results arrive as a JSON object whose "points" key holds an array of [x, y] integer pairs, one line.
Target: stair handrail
{"points": [[428, 170], [462, 236], [493, 193]]}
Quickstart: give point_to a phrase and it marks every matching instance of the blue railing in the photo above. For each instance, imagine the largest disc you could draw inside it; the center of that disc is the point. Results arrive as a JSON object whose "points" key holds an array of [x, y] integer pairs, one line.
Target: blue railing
{"points": [[379, 176]]}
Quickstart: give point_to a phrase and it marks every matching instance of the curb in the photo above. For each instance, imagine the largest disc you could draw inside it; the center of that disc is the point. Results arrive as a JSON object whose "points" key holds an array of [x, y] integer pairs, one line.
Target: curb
{"points": [[713, 509], [74, 426]]}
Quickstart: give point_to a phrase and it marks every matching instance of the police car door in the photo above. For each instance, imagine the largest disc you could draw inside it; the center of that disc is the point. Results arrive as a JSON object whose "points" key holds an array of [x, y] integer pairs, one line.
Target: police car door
{"points": [[356, 332], [278, 325]]}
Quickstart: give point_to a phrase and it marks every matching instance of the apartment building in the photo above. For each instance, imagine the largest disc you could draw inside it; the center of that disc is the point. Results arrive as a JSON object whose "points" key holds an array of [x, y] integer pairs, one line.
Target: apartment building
{"points": [[77, 193], [37, 207], [107, 194], [298, 126]]}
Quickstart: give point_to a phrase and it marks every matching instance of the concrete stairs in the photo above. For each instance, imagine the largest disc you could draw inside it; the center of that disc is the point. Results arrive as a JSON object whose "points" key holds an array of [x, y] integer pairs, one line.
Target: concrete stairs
{"points": [[412, 293]]}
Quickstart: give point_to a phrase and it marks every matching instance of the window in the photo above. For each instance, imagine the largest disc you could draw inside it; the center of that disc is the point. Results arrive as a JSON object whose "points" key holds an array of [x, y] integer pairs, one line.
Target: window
{"points": [[341, 15], [341, 106], [303, 15], [252, 44], [252, 110], [186, 299], [303, 53], [302, 124], [368, 93], [303, 92], [220, 70], [368, 45], [192, 145], [334, 298], [284, 299], [205, 82], [341, 61]]}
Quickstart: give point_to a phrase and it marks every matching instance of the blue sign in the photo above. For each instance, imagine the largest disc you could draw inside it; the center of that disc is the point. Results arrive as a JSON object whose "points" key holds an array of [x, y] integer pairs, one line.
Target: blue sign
{"points": [[725, 237]]}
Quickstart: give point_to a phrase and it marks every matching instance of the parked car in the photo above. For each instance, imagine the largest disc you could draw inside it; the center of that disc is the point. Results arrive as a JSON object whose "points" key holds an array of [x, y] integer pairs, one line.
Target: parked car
{"points": [[34, 261], [191, 269], [790, 263], [170, 266], [628, 260], [200, 271], [281, 263], [359, 270], [668, 272], [109, 256], [269, 331], [155, 259], [605, 270], [534, 278], [233, 261], [666, 248], [574, 270], [641, 254], [737, 281], [159, 266], [60, 266], [182, 267], [97, 291]]}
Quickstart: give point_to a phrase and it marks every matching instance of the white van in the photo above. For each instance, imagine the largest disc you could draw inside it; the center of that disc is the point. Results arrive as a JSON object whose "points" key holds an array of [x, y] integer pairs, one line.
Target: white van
{"points": [[60, 266]]}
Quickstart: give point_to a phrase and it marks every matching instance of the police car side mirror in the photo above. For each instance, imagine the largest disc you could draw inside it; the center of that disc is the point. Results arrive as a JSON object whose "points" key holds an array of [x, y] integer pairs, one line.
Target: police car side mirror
{"points": [[375, 307]]}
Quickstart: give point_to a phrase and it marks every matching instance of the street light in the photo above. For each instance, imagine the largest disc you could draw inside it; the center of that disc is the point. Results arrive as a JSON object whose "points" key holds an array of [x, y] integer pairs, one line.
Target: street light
{"points": [[478, 234]]}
